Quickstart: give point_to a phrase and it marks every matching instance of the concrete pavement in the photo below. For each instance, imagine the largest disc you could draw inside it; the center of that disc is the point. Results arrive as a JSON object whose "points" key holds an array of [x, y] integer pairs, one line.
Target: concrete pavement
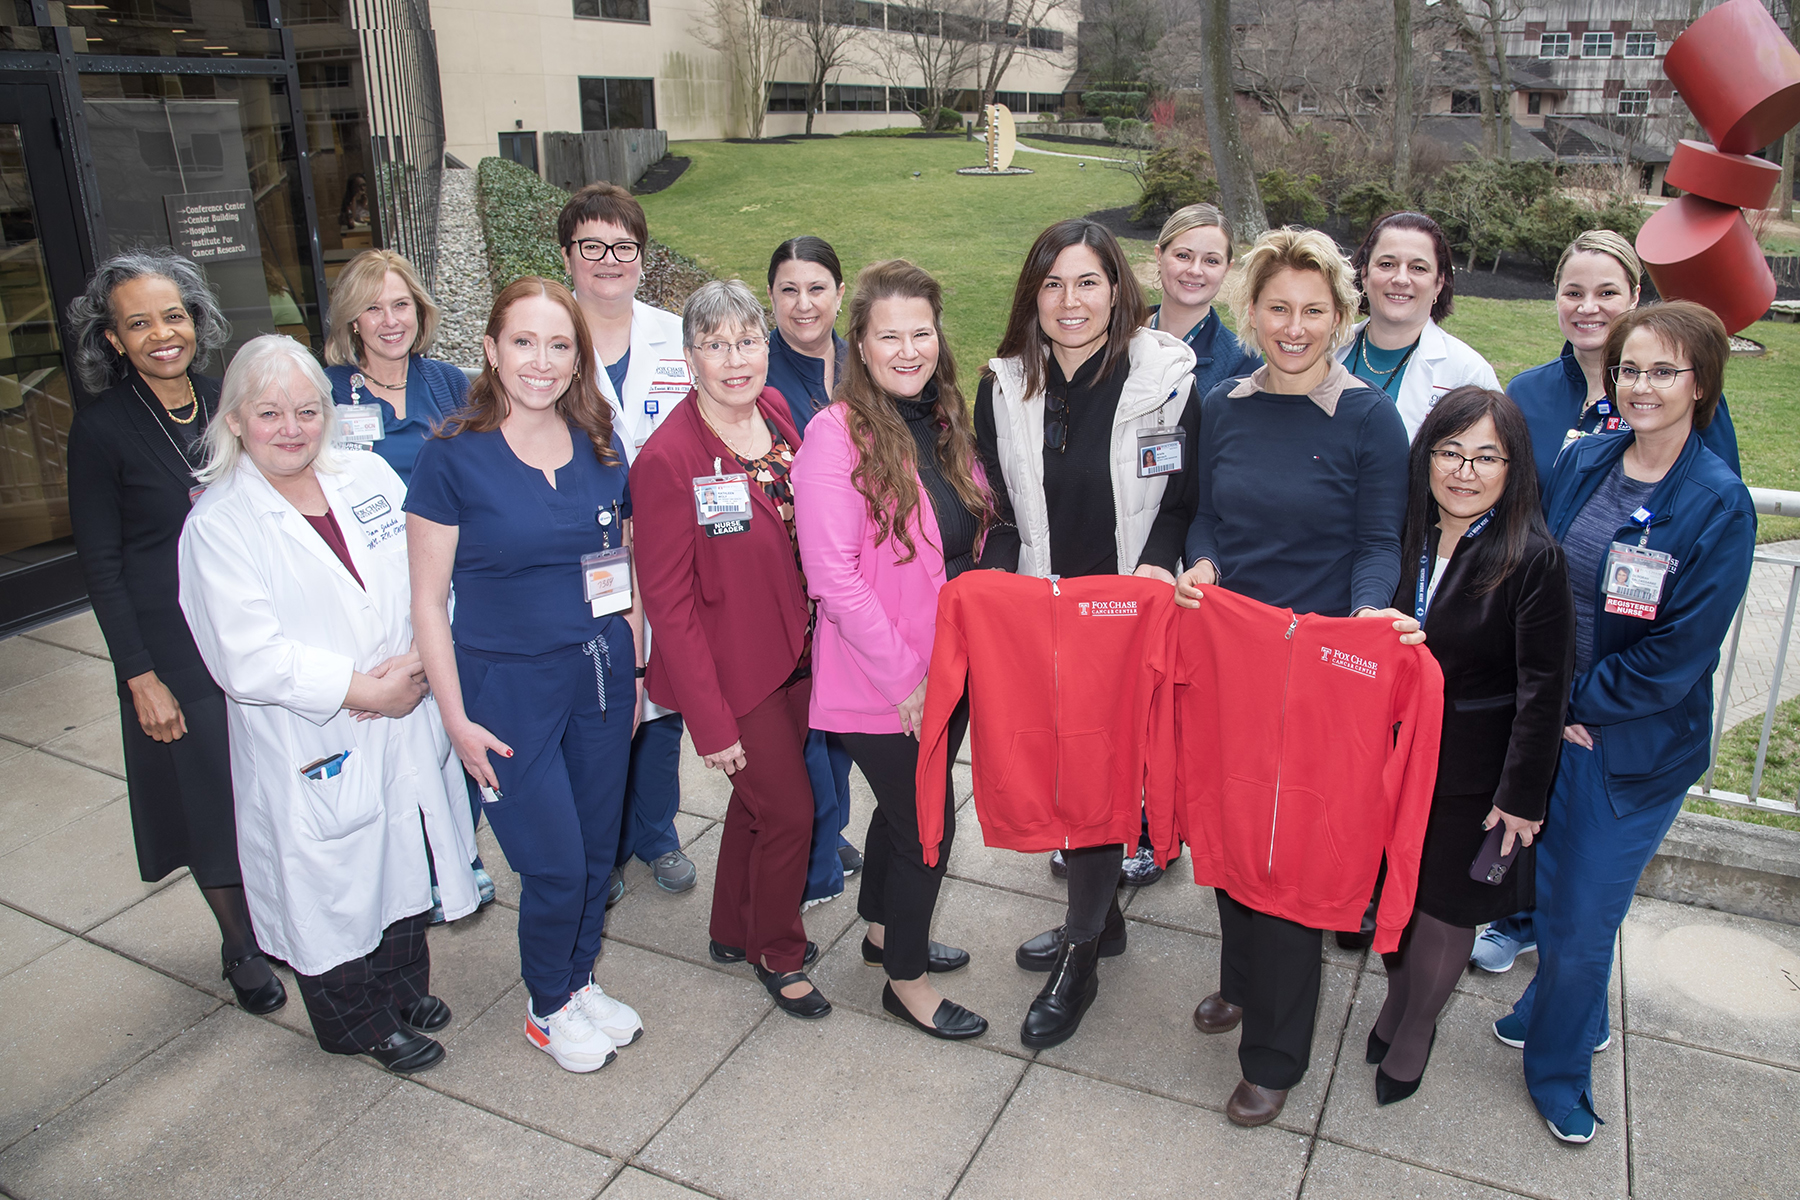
{"points": [[125, 1070]]}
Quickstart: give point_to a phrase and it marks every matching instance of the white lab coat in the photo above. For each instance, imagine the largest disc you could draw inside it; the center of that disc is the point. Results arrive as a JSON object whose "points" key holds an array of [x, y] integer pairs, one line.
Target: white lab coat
{"points": [[281, 625], [1439, 364], [658, 371]]}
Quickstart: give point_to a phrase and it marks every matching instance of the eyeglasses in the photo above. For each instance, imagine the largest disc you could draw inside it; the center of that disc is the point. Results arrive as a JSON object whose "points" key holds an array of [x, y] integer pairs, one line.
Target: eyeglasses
{"points": [[718, 350], [1056, 420], [1449, 462], [1661, 378], [595, 250]]}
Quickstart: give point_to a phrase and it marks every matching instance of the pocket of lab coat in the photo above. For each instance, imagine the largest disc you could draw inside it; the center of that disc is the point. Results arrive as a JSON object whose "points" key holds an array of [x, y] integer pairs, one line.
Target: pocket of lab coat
{"points": [[337, 807]]}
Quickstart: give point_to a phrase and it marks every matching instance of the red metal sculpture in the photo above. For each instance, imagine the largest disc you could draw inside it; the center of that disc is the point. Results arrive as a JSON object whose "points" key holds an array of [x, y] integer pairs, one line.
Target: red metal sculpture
{"points": [[1740, 77]]}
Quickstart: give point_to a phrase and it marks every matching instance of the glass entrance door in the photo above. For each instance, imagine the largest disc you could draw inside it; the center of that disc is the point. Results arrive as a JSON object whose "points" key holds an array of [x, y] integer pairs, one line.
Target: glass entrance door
{"points": [[39, 249]]}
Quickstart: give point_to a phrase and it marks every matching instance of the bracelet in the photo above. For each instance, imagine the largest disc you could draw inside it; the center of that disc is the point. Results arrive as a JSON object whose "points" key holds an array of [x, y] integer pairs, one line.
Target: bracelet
{"points": [[638, 673]]}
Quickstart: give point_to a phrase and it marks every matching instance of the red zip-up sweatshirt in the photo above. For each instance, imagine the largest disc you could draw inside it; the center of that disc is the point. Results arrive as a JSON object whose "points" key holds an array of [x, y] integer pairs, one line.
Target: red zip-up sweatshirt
{"points": [[1308, 747], [1069, 707]]}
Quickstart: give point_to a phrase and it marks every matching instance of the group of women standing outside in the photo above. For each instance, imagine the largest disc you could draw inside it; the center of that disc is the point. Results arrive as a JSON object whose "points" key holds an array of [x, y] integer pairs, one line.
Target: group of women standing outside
{"points": [[334, 662]]}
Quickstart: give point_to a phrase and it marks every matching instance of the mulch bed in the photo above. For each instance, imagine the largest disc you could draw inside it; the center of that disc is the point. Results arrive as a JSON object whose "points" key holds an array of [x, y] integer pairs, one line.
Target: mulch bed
{"points": [[660, 175]]}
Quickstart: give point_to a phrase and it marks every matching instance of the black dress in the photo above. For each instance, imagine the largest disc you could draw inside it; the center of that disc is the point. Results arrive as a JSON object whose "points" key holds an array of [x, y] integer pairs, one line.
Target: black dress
{"points": [[1507, 659], [130, 479]]}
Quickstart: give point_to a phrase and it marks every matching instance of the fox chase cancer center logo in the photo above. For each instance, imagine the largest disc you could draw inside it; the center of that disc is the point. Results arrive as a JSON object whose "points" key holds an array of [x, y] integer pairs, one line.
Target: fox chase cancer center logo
{"points": [[1348, 661], [1107, 608]]}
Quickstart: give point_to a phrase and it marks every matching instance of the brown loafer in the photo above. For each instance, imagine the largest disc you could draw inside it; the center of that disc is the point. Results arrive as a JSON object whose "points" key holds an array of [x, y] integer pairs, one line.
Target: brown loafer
{"points": [[1253, 1105], [1215, 1015]]}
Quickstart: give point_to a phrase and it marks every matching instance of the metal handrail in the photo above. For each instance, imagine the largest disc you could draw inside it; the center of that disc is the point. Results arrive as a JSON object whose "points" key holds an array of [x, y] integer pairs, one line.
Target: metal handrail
{"points": [[1769, 502]]}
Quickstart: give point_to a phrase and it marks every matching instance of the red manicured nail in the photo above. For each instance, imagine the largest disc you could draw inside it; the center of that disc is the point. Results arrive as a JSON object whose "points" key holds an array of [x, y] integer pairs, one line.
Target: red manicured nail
{"points": [[509, 754]]}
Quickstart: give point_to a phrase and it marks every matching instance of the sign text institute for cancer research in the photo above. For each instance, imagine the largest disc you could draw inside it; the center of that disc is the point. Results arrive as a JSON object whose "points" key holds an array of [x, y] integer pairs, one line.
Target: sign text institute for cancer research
{"points": [[210, 227]]}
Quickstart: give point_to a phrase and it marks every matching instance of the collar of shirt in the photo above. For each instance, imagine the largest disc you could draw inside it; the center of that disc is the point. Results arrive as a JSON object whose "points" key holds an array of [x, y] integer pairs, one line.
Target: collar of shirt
{"points": [[1325, 394]]}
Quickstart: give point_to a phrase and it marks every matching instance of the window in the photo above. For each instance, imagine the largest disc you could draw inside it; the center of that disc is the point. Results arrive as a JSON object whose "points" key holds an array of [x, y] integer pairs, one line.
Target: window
{"points": [[520, 148], [1597, 45], [618, 104], [1534, 103], [614, 10], [847, 97], [1465, 102], [1307, 103], [1553, 45], [1046, 39], [1640, 45], [787, 97], [1634, 103]]}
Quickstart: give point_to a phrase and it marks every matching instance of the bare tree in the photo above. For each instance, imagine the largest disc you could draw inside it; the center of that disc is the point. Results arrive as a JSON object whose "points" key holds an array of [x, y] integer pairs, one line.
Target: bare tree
{"points": [[752, 43], [919, 58], [1403, 95], [1011, 29], [1231, 157], [1476, 24], [1784, 203], [824, 34]]}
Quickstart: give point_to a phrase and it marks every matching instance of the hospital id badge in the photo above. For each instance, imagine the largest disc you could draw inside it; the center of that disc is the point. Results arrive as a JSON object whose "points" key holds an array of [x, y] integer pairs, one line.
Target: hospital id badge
{"points": [[361, 422], [722, 503], [1159, 451], [1634, 580], [606, 580]]}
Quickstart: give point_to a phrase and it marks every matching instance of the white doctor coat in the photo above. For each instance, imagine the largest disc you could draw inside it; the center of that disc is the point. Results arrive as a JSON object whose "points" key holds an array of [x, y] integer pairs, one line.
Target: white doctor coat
{"points": [[1441, 363], [281, 624]]}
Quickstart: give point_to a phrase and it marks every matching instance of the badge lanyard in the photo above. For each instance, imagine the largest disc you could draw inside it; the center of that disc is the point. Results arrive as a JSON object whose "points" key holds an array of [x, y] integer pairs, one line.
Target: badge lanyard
{"points": [[1420, 603], [1362, 349], [606, 575]]}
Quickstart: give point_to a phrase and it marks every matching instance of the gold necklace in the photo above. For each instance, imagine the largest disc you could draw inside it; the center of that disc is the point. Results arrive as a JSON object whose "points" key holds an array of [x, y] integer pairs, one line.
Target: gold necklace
{"points": [[390, 387], [701, 409], [193, 403]]}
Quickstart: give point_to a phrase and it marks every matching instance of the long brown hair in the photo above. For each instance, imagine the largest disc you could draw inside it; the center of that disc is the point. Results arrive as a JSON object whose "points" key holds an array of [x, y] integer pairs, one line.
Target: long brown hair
{"points": [[886, 466], [1025, 339], [581, 404]]}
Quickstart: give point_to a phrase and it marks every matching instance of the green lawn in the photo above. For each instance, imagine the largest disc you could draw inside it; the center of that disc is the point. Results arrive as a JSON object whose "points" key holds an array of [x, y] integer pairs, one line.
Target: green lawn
{"points": [[1781, 769], [736, 203]]}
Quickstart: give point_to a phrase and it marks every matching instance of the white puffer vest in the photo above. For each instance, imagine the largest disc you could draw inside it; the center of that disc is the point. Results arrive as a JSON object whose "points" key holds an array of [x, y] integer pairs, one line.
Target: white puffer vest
{"points": [[1156, 390]]}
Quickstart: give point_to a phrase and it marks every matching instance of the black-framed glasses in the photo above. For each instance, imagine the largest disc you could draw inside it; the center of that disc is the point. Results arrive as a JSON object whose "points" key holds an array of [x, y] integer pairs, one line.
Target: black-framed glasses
{"points": [[1485, 465], [595, 250], [1056, 420], [1661, 378]]}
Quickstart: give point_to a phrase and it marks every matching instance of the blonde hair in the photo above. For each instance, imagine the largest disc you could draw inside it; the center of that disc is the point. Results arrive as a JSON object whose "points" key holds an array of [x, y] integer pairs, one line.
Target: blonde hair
{"points": [[1610, 243], [1292, 248], [266, 362], [359, 285], [1194, 216]]}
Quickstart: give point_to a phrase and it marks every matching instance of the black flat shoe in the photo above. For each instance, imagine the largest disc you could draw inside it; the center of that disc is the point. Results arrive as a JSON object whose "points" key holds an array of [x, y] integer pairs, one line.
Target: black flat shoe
{"points": [[1040, 953], [1377, 1050], [426, 1016], [1069, 992], [809, 1007], [405, 1052], [939, 958], [951, 1021], [1389, 1090], [258, 1001], [726, 955]]}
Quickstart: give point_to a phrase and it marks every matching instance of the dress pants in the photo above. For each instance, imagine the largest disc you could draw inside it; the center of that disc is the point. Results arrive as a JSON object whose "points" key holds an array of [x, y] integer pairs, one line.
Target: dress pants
{"points": [[828, 767], [562, 793], [1093, 882], [1269, 967], [652, 791], [355, 1006], [1589, 860], [768, 828], [898, 890]]}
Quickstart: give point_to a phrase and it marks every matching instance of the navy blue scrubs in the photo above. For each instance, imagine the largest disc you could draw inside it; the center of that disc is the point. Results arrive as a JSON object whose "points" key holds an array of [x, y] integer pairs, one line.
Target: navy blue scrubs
{"points": [[434, 390], [545, 676]]}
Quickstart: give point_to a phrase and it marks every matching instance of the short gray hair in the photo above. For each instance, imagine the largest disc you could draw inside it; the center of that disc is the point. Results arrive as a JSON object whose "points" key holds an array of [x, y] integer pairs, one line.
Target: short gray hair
{"points": [[265, 362], [719, 305], [91, 313]]}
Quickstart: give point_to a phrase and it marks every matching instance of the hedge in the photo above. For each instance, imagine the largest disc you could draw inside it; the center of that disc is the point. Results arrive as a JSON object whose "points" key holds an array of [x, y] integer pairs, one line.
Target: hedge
{"points": [[518, 221]]}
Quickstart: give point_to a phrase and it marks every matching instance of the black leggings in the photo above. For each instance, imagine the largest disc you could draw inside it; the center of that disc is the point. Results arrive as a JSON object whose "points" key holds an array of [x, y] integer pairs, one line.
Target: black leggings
{"points": [[1093, 882], [898, 890]]}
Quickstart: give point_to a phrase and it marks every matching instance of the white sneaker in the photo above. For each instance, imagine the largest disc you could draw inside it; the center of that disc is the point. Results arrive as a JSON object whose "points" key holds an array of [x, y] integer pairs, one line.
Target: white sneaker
{"points": [[568, 1036], [616, 1020]]}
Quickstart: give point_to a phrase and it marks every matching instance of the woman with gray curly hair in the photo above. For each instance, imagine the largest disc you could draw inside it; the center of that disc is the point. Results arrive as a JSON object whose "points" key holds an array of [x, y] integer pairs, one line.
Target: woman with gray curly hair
{"points": [[147, 319]]}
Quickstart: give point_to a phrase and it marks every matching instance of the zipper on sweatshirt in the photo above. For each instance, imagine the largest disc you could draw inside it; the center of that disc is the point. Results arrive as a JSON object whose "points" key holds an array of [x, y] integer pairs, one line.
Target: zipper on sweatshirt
{"points": [[1056, 703], [1287, 676]]}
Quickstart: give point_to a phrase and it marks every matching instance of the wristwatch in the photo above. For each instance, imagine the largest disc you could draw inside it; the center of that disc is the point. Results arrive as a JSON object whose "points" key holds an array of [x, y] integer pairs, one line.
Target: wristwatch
{"points": [[639, 672]]}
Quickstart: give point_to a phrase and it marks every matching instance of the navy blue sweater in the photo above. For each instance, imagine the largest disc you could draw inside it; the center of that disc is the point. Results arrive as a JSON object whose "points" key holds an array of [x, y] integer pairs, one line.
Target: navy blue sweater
{"points": [[1299, 509]]}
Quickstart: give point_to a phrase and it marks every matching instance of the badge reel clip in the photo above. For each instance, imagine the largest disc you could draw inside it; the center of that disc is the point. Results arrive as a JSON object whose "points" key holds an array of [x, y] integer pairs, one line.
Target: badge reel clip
{"points": [[606, 575], [1159, 451]]}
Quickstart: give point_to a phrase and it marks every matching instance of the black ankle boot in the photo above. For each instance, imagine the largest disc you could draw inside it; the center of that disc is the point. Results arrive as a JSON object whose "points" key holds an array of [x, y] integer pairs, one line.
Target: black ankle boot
{"points": [[1074, 982], [1040, 953]]}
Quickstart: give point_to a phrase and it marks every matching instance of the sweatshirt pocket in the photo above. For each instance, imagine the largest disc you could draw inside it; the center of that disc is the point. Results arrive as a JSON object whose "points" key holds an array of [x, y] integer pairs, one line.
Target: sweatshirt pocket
{"points": [[1308, 856], [1246, 817], [1023, 789], [1085, 779]]}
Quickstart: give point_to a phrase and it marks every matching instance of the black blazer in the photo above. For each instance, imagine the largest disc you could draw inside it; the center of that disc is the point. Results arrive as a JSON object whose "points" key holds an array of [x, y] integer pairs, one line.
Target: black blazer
{"points": [[128, 498], [1507, 658]]}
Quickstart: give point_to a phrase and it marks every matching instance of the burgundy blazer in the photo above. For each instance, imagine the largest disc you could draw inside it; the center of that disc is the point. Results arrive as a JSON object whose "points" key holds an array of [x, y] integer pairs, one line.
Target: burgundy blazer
{"points": [[729, 612]]}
